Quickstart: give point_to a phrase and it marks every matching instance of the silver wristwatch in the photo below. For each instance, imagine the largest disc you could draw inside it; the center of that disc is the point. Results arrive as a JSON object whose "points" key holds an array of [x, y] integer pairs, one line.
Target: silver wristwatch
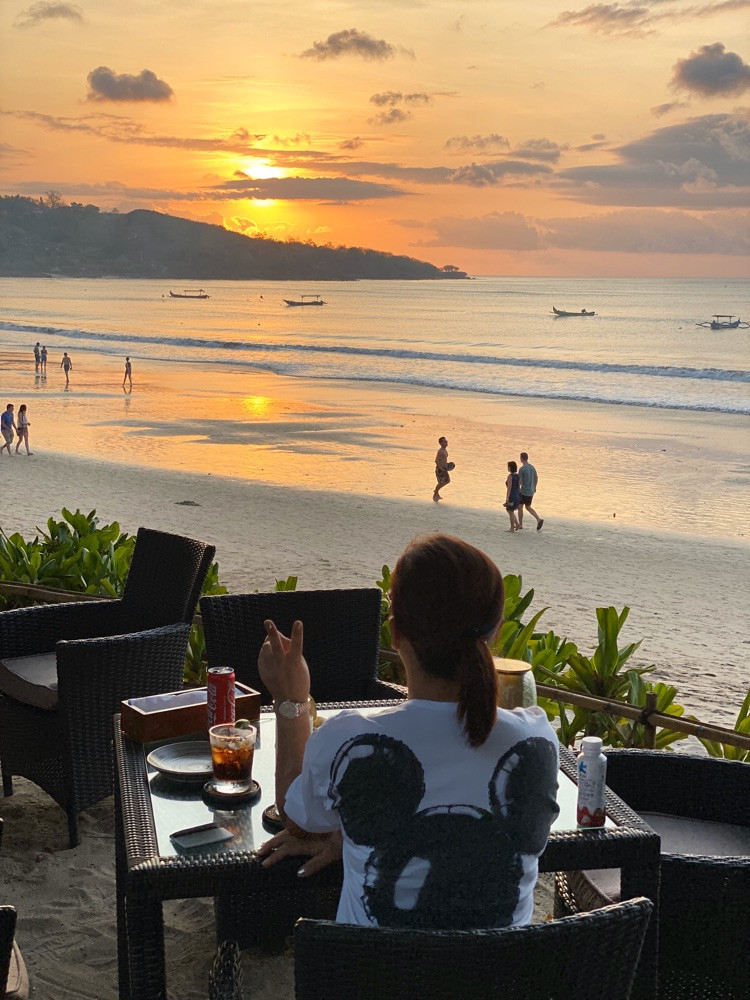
{"points": [[292, 709]]}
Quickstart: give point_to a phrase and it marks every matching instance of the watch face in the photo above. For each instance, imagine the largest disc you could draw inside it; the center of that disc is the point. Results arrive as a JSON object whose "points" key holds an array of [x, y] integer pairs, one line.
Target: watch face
{"points": [[288, 710]]}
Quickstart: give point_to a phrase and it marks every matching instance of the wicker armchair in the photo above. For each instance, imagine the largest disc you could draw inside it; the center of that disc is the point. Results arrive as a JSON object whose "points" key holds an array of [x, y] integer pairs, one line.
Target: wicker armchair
{"points": [[342, 639], [45, 719], [66, 749], [704, 903], [585, 957], [14, 982]]}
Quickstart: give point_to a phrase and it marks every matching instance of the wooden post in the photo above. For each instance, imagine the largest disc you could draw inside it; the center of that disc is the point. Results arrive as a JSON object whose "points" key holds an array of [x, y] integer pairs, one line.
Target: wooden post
{"points": [[649, 729]]}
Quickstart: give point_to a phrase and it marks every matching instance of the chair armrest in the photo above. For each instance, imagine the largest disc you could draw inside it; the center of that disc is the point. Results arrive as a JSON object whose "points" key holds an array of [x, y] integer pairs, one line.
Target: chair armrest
{"points": [[29, 631], [146, 660]]}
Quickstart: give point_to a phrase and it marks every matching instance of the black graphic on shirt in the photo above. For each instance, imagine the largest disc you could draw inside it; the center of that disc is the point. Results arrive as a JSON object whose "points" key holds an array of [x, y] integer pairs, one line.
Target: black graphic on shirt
{"points": [[466, 862]]}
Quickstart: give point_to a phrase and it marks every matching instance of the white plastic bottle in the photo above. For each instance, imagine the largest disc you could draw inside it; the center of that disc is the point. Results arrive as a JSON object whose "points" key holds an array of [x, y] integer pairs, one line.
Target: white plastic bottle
{"points": [[592, 777]]}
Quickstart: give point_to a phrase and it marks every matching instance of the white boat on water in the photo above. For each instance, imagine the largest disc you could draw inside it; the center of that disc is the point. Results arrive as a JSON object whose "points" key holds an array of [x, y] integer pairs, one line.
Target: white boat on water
{"points": [[306, 300], [723, 321]]}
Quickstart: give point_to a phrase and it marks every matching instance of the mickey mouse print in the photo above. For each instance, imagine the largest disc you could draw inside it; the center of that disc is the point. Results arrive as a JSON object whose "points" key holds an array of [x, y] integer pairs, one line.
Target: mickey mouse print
{"points": [[436, 834]]}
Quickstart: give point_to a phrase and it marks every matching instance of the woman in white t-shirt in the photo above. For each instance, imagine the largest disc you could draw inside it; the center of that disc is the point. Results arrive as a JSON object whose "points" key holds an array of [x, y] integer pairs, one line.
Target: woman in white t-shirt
{"points": [[441, 805]]}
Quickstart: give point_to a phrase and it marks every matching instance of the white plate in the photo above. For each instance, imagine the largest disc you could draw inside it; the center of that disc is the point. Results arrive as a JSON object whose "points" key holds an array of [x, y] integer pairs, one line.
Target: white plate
{"points": [[183, 761]]}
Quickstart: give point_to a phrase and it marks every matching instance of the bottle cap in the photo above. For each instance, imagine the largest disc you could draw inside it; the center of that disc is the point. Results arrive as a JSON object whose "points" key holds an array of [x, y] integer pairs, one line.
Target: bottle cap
{"points": [[591, 744]]}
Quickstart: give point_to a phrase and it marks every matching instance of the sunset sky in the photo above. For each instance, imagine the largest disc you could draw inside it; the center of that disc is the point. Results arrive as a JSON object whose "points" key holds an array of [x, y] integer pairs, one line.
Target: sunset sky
{"points": [[552, 137]]}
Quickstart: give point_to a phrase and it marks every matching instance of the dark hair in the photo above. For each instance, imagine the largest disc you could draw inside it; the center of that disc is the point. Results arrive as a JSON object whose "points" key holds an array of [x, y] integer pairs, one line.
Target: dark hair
{"points": [[447, 599], [441, 439], [22, 407], [512, 467], [524, 456]]}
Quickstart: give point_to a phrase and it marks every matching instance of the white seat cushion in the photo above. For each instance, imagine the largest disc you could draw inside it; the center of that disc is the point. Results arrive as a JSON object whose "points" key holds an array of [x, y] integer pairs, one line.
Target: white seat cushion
{"points": [[18, 980], [680, 835], [30, 679], [684, 836]]}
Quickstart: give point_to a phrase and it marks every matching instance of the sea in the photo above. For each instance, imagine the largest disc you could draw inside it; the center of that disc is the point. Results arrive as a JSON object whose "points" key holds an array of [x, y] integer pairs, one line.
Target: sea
{"points": [[636, 419], [496, 336]]}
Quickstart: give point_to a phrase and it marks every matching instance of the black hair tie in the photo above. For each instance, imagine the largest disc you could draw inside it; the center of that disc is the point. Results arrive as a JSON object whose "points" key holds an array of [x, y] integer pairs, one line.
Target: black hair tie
{"points": [[475, 631]]}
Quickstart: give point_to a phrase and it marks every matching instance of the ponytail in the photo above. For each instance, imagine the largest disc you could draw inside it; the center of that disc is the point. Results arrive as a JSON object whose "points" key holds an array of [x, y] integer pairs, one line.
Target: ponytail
{"points": [[447, 598], [477, 699]]}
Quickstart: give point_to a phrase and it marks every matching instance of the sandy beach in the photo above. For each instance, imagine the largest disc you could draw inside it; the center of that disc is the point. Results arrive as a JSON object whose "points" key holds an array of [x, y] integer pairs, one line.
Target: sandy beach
{"points": [[289, 477]]}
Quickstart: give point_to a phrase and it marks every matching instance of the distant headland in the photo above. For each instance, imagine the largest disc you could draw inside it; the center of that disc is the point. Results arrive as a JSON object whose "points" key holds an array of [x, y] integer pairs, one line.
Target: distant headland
{"points": [[45, 236]]}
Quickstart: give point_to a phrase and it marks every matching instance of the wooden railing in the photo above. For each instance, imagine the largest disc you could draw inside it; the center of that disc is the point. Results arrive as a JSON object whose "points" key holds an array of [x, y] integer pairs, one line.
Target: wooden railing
{"points": [[648, 716]]}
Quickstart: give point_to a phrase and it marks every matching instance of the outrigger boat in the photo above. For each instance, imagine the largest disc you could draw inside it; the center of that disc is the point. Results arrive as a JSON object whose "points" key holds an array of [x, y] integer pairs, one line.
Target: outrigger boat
{"points": [[564, 312], [724, 322], [306, 300], [189, 293]]}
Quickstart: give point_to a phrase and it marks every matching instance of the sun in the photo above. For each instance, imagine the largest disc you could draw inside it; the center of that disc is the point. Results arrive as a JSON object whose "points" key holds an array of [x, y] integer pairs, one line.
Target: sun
{"points": [[260, 169]]}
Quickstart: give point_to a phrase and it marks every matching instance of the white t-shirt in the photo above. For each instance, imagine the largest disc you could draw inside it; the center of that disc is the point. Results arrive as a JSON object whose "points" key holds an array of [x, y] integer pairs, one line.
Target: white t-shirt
{"points": [[437, 834]]}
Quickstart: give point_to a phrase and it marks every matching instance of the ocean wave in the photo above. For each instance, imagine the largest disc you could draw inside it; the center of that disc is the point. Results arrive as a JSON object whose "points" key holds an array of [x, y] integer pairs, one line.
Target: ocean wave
{"points": [[252, 348], [537, 393]]}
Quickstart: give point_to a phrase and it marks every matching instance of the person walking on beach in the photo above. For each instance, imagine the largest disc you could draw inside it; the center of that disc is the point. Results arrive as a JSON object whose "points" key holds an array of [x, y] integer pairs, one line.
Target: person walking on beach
{"points": [[442, 468], [128, 372], [37, 357], [512, 496], [7, 426], [22, 429], [528, 480], [43, 360], [67, 365]]}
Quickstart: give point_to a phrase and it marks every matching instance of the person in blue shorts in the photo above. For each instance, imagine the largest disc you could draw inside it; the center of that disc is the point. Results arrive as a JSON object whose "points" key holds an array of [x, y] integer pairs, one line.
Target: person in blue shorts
{"points": [[8, 427]]}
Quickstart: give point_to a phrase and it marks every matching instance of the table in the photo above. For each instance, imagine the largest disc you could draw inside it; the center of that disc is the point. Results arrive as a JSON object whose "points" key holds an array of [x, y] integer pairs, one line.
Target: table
{"points": [[149, 869]]}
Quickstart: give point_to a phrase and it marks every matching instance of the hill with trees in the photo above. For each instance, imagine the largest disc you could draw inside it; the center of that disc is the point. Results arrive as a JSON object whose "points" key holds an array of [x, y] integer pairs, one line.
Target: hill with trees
{"points": [[45, 236]]}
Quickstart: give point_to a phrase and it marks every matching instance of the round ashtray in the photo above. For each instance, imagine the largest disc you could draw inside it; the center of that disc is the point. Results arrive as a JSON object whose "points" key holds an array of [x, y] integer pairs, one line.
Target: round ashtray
{"points": [[227, 798], [271, 819], [183, 762]]}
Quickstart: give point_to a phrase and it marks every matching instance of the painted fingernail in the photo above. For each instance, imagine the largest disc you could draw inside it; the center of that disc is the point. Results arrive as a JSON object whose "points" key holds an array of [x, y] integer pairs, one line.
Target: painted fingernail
{"points": [[301, 873]]}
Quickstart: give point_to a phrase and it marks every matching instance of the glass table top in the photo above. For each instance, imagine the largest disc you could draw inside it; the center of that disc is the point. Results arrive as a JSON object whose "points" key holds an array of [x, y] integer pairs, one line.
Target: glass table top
{"points": [[178, 806]]}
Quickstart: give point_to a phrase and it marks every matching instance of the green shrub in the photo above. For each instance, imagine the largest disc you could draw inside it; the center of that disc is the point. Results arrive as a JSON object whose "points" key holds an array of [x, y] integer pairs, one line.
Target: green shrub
{"points": [[742, 725], [75, 554]]}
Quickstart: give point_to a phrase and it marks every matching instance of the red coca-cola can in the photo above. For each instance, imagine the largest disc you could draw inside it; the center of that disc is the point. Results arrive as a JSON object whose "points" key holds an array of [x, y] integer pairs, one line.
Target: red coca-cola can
{"points": [[220, 696]]}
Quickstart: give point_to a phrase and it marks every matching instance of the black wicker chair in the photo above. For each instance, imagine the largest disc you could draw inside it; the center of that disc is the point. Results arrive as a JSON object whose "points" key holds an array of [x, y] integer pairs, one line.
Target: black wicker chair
{"points": [[67, 749], [578, 958], [55, 722], [342, 639], [704, 903], [14, 982]]}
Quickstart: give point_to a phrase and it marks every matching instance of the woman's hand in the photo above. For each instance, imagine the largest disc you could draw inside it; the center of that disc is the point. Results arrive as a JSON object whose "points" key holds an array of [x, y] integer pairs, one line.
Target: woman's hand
{"points": [[321, 849], [282, 666]]}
